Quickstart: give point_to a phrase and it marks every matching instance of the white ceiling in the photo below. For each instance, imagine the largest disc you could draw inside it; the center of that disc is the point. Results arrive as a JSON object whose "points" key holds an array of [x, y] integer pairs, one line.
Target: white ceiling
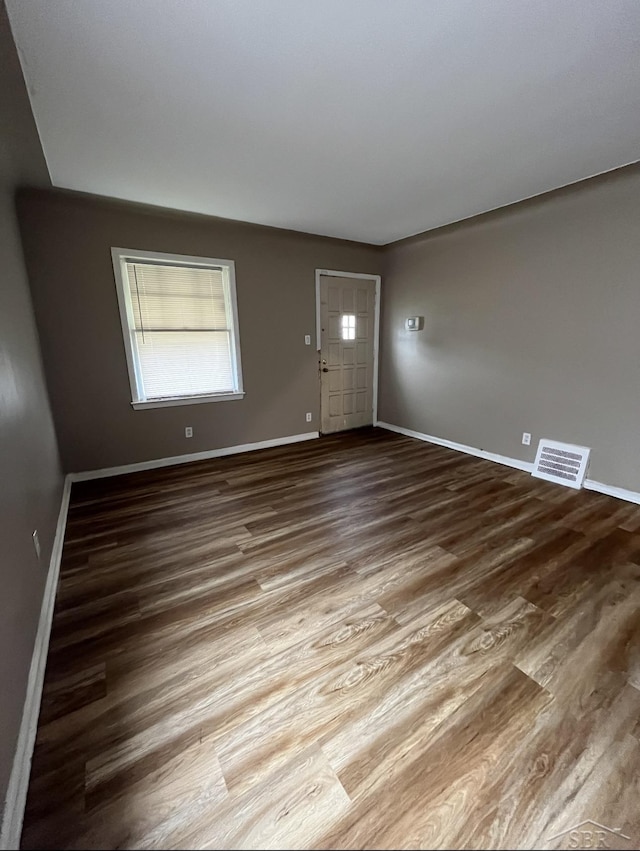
{"points": [[364, 119]]}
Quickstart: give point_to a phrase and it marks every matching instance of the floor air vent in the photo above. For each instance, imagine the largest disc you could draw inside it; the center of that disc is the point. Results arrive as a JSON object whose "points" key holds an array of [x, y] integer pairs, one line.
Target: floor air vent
{"points": [[561, 462]]}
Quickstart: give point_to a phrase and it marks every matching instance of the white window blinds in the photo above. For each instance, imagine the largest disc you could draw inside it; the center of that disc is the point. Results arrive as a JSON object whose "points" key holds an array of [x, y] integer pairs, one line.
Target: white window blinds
{"points": [[181, 327]]}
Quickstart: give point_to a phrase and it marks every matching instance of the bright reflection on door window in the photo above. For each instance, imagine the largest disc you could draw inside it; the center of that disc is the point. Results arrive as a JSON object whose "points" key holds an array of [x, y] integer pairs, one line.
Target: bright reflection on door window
{"points": [[348, 326]]}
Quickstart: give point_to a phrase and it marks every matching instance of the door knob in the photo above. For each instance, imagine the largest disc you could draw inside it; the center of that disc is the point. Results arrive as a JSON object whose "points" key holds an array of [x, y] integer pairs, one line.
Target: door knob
{"points": [[324, 369]]}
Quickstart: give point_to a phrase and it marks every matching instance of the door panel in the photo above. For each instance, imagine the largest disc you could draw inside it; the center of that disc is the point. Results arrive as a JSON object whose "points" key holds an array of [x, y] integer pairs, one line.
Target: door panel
{"points": [[347, 311]]}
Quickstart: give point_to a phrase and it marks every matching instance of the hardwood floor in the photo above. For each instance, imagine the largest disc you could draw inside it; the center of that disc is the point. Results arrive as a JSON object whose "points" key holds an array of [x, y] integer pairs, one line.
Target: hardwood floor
{"points": [[358, 642]]}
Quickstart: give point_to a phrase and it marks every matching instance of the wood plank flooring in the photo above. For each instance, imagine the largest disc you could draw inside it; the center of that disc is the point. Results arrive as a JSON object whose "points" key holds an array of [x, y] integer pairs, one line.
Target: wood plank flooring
{"points": [[358, 642]]}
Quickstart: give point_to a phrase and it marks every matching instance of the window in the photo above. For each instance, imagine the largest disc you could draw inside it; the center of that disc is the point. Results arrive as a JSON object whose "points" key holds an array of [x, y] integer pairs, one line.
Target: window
{"points": [[180, 325], [348, 326]]}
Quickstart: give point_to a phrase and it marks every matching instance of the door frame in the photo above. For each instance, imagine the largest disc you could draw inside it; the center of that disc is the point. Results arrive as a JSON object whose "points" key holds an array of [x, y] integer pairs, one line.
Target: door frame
{"points": [[376, 323]]}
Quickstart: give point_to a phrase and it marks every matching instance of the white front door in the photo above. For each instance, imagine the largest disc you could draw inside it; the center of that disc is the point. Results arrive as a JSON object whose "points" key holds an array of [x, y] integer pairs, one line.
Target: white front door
{"points": [[347, 322]]}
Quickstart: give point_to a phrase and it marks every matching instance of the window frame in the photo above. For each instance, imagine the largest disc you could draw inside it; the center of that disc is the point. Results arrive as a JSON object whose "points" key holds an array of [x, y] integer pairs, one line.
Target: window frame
{"points": [[120, 256]]}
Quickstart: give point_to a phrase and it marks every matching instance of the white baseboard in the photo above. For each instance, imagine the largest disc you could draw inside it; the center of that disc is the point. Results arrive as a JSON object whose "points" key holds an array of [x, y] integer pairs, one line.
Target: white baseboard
{"points": [[194, 456], [612, 490], [526, 466], [460, 447], [19, 779]]}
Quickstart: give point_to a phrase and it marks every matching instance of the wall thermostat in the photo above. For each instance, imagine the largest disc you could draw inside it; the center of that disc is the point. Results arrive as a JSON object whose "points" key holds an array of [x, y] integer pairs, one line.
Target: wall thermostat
{"points": [[413, 323]]}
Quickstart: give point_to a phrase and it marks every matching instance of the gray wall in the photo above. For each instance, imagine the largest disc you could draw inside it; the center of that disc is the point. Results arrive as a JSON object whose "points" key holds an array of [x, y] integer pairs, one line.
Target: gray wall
{"points": [[531, 316], [30, 478], [532, 323], [68, 237]]}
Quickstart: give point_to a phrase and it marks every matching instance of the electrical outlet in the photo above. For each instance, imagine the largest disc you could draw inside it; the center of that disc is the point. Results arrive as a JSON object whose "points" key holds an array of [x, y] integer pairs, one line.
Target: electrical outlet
{"points": [[307, 339], [526, 438], [36, 543], [308, 416], [188, 432]]}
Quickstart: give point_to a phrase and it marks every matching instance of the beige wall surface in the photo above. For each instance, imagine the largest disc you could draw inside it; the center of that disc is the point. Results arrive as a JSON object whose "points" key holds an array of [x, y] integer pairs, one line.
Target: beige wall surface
{"points": [[532, 323], [68, 238], [30, 478]]}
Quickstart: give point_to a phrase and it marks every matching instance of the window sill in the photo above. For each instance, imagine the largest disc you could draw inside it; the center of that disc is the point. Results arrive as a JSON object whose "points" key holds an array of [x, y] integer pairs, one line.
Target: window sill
{"points": [[185, 400]]}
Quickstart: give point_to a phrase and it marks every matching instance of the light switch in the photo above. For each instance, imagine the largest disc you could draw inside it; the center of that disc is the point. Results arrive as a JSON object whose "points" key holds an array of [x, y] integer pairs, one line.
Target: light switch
{"points": [[307, 339], [413, 323]]}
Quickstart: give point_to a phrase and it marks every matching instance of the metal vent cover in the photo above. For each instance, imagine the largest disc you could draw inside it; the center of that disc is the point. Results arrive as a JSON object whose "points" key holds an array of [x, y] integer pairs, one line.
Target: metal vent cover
{"points": [[563, 463]]}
